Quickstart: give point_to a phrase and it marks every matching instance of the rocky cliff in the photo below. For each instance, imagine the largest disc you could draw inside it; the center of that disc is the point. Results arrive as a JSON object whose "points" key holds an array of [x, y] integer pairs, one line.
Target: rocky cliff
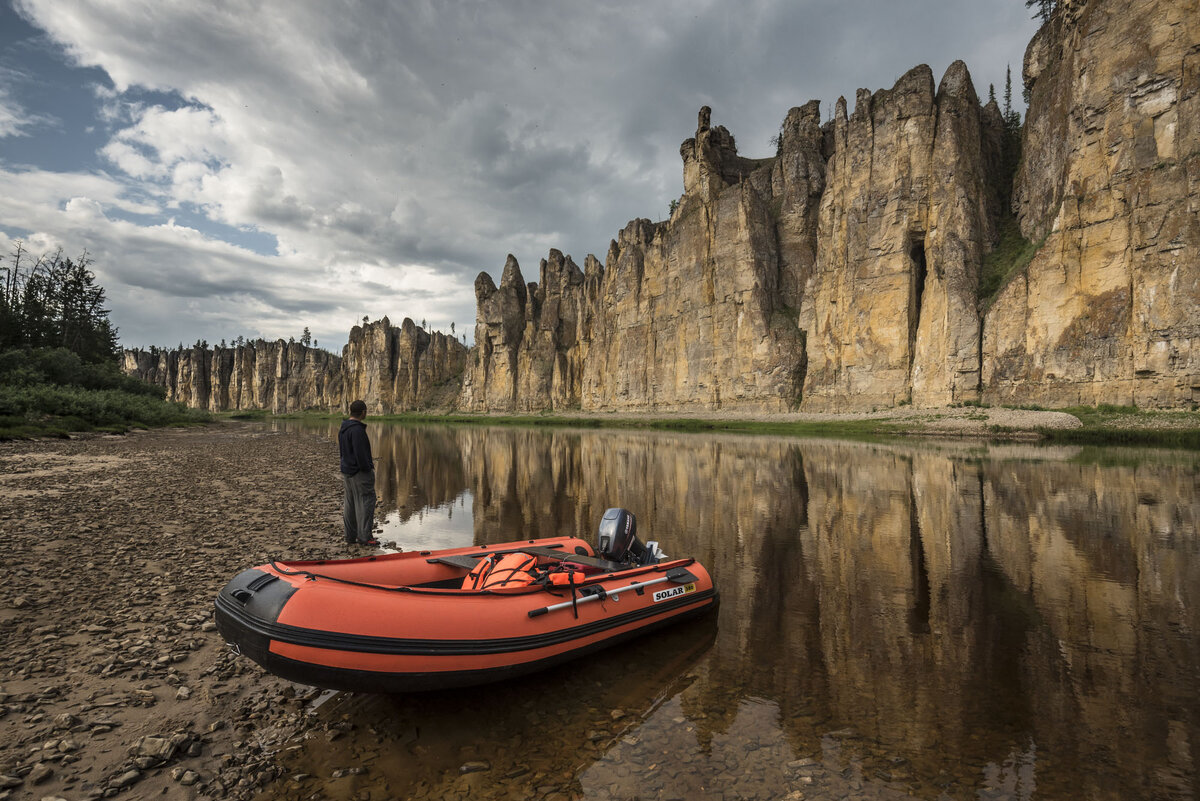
{"points": [[393, 369], [842, 273], [845, 272], [891, 309], [1109, 309], [276, 376], [690, 313], [527, 354], [401, 369]]}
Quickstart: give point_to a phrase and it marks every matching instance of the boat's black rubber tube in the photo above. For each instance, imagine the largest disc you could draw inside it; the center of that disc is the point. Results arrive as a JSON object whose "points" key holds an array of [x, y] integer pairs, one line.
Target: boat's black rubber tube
{"points": [[257, 596], [235, 617], [370, 681]]}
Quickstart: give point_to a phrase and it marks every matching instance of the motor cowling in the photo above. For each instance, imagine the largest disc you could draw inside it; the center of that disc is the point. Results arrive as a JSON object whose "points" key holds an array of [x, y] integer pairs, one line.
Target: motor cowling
{"points": [[617, 539]]}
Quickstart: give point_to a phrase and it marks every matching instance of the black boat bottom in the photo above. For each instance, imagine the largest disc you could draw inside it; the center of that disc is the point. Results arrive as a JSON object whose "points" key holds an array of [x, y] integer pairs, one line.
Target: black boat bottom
{"points": [[257, 647]]}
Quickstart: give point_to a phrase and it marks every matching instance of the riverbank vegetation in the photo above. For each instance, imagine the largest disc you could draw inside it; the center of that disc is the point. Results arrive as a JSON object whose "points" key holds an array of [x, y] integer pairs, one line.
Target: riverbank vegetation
{"points": [[59, 368], [830, 428], [1127, 425], [1100, 425], [51, 391]]}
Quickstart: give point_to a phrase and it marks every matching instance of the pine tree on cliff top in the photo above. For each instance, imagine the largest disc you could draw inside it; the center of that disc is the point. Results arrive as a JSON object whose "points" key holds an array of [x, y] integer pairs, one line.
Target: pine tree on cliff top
{"points": [[1007, 91], [1012, 117], [1044, 8]]}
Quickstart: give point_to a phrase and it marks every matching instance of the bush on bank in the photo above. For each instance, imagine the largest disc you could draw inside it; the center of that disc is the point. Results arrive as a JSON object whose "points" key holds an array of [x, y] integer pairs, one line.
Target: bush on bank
{"points": [[59, 366], [51, 391]]}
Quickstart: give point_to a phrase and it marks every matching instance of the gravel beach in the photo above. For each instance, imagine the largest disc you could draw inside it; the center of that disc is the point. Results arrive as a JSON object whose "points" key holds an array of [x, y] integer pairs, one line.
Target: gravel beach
{"points": [[112, 676]]}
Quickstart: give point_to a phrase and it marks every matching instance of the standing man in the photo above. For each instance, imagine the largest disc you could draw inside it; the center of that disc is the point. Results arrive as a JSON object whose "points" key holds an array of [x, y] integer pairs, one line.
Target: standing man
{"points": [[358, 474]]}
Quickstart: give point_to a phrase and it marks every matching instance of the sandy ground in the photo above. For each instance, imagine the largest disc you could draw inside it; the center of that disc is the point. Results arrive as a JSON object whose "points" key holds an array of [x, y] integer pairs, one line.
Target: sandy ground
{"points": [[113, 680], [112, 677]]}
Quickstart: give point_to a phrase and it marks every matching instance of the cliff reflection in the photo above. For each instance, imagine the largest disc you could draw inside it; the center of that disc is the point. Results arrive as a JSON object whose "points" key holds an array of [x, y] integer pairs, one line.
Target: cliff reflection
{"points": [[922, 622]]}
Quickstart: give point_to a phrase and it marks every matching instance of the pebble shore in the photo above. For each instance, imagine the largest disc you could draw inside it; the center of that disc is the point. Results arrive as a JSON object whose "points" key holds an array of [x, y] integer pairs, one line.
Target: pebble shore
{"points": [[113, 678]]}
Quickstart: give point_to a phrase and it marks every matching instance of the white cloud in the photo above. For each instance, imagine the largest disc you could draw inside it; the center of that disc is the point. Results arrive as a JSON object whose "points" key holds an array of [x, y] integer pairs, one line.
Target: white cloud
{"points": [[161, 139], [12, 116], [15, 119], [170, 282], [32, 196]]}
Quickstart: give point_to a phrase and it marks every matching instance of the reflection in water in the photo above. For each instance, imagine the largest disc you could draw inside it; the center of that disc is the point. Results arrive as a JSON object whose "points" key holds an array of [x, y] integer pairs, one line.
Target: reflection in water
{"points": [[934, 622]]}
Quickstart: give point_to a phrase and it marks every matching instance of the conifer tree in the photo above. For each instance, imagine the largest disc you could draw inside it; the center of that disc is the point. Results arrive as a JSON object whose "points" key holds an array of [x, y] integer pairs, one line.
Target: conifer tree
{"points": [[1010, 153], [1045, 8], [54, 302], [1007, 91]]}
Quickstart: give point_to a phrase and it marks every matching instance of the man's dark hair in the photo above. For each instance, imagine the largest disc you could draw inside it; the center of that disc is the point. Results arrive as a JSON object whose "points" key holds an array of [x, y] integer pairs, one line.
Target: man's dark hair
{"points": [[358, 409]]}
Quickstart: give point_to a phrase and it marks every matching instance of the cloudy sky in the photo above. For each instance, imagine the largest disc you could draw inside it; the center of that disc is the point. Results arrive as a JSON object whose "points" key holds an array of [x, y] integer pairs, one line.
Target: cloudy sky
{"points": [[252, 168]]}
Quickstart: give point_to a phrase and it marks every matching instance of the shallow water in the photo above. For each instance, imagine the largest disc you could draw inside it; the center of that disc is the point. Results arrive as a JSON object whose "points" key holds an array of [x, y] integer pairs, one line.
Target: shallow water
{"points": [[935, 621]]}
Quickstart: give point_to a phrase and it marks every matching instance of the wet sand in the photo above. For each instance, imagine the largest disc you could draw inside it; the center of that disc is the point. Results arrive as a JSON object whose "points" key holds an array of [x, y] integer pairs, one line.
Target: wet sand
{"points": [[112, 675]]}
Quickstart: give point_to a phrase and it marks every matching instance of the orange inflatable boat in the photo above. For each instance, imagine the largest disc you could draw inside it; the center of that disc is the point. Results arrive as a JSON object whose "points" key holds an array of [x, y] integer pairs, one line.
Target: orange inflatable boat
{"points": [[432, 619]]}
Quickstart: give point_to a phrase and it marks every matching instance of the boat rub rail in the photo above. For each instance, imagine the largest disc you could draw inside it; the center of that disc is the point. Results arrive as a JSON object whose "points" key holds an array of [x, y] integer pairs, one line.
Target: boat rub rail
{"points": [[364, 643], [594, 578]]}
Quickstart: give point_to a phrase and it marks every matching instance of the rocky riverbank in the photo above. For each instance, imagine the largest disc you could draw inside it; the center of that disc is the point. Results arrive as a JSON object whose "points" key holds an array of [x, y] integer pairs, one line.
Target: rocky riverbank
{"points": [[113, 680]]}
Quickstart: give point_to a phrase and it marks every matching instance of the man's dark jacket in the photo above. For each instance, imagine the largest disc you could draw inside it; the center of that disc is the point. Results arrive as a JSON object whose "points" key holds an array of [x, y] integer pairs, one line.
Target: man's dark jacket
{"points": [[355, 448]]}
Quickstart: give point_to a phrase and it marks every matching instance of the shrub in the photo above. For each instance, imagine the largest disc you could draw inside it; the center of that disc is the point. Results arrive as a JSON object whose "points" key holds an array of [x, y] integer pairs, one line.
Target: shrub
{"points": [[52, 391], [98, 408], [59, 366]]}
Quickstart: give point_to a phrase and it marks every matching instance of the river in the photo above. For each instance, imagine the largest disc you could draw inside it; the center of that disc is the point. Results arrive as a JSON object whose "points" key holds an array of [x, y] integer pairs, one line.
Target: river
{"points": [[898, 620]]}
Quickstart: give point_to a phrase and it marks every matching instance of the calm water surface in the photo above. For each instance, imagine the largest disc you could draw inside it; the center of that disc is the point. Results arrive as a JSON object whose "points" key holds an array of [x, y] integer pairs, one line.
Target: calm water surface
{"points": [[934, 622]]}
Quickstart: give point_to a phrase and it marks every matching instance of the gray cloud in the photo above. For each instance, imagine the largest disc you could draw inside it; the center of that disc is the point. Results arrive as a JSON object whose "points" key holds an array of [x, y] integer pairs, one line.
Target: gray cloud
{"points": [[397, 149]]}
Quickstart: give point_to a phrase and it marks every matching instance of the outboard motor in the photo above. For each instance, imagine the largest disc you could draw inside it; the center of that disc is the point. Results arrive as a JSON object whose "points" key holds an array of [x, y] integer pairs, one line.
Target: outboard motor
{"points": [[617, 540]]}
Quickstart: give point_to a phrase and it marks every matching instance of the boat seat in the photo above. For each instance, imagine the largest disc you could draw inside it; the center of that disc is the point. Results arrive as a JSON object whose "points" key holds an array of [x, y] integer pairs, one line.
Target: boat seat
{"points": [[579, 559], [466, 560], [469, 560]]}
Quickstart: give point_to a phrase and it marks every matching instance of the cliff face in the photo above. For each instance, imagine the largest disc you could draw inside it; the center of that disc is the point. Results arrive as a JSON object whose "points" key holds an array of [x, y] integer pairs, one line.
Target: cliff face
{"points": [[1109, 309], [392, 369], [849, 266], [276, 376], [491, 378], [846, 266], [401, 369], [692, 313], [904, 222], [686, 314]]}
